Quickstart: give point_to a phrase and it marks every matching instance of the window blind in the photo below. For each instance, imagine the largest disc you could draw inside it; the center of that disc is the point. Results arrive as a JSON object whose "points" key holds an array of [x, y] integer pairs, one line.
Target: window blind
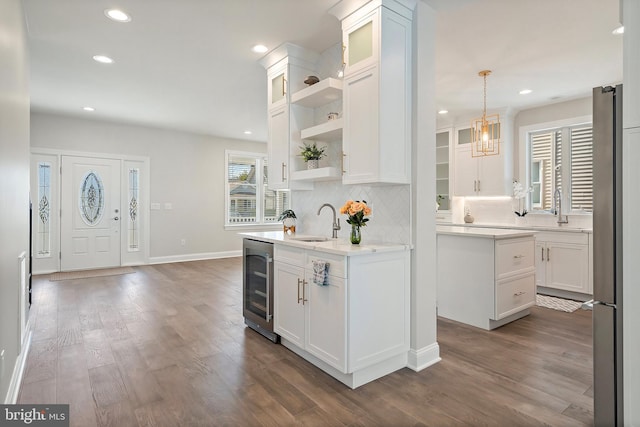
{"points": [[582, 169]]}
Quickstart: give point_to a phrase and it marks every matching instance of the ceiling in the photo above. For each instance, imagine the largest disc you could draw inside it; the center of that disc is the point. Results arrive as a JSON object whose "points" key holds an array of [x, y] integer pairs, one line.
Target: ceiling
{"points": [[188, 64]]}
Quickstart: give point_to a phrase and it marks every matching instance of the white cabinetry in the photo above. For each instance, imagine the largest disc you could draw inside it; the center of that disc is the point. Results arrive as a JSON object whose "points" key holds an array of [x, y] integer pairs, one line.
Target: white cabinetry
{"points": [[356, 328], [496, 285], [562, 262], [377, 93], [487, 175], [286, 68]]}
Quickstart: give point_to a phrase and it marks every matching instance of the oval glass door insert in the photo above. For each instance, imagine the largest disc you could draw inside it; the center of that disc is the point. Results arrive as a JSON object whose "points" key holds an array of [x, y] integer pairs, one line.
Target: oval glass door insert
{"points": [[91, 201]]}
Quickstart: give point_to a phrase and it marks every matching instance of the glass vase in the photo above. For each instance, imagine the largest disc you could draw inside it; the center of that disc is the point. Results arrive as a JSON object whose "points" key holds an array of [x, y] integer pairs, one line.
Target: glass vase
{"points": [[355, 234]]}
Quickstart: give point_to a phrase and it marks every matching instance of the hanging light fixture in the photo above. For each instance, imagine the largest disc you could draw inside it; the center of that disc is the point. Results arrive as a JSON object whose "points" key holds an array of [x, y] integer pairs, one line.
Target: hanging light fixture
{"points": [[485, 132]]}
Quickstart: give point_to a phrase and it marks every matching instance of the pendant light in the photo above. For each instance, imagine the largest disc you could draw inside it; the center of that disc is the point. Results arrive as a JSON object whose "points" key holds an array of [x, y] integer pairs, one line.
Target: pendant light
{"points": [[485, 132]]}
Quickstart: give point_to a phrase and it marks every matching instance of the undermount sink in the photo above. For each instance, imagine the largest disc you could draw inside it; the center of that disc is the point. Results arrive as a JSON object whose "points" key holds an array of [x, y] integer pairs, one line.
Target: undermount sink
{"points": [[310, 239]]}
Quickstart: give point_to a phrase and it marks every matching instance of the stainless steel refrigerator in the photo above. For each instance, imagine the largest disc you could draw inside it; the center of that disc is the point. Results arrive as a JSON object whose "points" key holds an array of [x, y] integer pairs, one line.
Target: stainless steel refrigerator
{"points": [[607, 256]]}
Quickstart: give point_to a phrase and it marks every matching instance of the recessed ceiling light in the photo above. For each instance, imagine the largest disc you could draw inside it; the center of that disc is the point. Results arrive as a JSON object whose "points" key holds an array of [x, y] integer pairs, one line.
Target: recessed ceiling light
{"points": [[247, 132], [259, 48], [619, 30], [117, 15], [88, 109], [525, 91], [102, 59], [443, 111]]}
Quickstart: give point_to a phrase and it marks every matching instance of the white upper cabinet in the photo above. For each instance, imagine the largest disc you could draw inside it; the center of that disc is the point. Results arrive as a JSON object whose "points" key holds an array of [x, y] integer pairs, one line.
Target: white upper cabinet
{"points": [[488, 175], [377, 92], [287, 68]]}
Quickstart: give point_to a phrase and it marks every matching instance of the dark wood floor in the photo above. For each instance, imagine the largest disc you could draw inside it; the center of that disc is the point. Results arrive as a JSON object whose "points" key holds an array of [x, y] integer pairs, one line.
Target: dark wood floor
{"points": [[166, 346]]}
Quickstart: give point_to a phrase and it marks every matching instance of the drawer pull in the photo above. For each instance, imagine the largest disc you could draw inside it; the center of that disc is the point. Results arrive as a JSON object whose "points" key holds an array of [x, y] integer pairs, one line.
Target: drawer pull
{"points": [[299, 299], [517, 294], [518, 256]]}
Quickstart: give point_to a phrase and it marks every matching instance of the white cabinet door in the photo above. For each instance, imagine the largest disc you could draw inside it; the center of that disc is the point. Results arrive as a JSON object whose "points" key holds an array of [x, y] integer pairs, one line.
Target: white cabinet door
{"points": [[360, 133], [541, 264], [278, 148], [465, 172], [568, 267], [326, 321], [289, 310], [491, 176]]}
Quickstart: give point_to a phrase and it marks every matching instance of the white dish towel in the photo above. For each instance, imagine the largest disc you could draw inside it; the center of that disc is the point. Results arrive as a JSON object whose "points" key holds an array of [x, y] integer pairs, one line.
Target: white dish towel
{"points": [[320, 272]]}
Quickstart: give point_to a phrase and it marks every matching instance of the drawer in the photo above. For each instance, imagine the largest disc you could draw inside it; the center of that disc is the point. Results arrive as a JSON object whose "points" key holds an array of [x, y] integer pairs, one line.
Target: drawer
{"points": [[563, 237], [337, 263], [290, 255], [514, 295], [514, 256]]}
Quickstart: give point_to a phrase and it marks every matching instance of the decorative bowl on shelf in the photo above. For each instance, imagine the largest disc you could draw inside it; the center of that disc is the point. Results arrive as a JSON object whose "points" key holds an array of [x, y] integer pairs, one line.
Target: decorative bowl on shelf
{"points": [[311, 80]]}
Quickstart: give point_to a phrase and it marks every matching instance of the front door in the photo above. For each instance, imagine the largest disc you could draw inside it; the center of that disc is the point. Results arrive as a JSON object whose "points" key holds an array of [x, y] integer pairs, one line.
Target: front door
{"points": [[90, 217]]}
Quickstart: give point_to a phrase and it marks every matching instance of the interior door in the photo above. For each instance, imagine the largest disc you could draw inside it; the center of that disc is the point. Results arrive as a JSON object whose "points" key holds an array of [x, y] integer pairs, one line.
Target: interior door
{"points": [[90, 216]]}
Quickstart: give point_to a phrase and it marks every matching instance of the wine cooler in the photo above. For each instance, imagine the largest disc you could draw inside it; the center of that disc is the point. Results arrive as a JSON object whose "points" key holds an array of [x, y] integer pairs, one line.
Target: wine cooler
{"points": [[257, 282]]}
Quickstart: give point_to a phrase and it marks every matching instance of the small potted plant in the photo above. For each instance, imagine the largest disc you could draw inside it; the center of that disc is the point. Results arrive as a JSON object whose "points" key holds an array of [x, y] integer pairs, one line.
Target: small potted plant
{"points": [[311, 153], [288, 219]]}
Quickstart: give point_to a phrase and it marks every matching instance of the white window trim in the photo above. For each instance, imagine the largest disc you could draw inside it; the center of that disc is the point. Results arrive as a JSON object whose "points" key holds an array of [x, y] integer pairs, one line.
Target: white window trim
{"points": [[259, 187], [524, 147]]}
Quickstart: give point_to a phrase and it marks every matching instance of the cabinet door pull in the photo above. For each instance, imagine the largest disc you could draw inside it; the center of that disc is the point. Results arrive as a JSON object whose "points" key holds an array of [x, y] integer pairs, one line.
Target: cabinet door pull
{"points": [[542, 253], [342, 163], [474, 185], [304, 283], [548, 254], [517, 294], [518, 256], [299, 299], [283, 166], [478, 186]]}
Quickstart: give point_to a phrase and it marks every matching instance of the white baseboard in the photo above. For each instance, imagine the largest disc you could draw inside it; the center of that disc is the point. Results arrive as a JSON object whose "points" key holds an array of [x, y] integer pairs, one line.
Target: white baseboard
{"points": [[194, 257], [424, 357], [18, 372]]}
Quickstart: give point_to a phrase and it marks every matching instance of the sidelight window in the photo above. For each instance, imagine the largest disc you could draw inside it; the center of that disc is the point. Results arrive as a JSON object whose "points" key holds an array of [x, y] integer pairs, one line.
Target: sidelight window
{"points": [[249, 200], [133, 233], [43, 230]]}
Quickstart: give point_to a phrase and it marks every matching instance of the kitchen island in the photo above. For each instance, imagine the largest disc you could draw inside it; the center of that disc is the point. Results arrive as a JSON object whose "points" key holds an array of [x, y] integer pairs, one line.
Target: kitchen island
{"points": [[353, 324], [486, 276]]}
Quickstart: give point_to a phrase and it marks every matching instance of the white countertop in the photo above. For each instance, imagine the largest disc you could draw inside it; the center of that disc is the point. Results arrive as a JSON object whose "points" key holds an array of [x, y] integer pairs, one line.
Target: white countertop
{"points": [[334, 246], [520, 227], [489, 233]]}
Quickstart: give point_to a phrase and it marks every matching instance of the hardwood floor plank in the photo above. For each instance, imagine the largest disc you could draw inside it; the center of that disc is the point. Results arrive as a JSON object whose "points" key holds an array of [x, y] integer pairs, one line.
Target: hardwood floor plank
{"points": [[167, 346], [107, 385]]}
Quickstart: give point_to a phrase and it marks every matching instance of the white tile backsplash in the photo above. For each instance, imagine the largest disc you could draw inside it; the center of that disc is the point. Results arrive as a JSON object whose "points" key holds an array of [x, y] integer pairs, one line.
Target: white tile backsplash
{"points": [[500, 211], [390, 210]]}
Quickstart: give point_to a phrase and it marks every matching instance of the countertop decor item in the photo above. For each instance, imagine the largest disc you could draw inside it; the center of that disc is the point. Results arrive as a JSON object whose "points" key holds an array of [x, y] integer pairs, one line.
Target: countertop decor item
{"points": [[519, 193], [311, 154], [468, 218], [356, 212], [288, 219], [311, 80]]}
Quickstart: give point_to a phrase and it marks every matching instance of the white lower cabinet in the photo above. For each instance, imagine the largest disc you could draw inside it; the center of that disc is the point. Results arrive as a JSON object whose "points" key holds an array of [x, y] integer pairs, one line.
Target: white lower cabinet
{"points": [[356, 327], [563, 262], [495, 284]]}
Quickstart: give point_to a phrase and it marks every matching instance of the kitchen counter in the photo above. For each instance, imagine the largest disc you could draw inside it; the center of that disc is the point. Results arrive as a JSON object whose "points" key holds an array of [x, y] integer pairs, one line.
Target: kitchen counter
{"points": [[519, 227], [333, 246], [489, 233]]}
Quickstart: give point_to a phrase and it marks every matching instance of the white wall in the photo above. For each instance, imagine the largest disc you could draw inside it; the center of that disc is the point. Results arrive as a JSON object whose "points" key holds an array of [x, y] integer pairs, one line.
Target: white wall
{"points": [[187, 170], [14, 179], [631, 206]]}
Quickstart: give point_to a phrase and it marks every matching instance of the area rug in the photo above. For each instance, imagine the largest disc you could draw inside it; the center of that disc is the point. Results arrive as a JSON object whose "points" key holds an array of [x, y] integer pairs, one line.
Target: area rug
{"points": [[85, 274], [560, 304]]}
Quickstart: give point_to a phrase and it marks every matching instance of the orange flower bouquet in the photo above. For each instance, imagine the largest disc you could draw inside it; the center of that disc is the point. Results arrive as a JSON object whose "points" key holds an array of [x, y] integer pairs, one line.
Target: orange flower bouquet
{"points": [[356, 210]]}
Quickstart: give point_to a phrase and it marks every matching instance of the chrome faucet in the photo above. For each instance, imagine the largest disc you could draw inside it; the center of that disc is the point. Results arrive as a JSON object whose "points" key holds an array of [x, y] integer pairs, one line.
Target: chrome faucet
{"points": [[336, 221], [557, 207]]}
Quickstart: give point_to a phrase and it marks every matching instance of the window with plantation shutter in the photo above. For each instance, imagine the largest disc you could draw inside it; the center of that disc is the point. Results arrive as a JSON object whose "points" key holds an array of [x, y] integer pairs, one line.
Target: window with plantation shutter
{"points": [[249, 200], [548, 150]]}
